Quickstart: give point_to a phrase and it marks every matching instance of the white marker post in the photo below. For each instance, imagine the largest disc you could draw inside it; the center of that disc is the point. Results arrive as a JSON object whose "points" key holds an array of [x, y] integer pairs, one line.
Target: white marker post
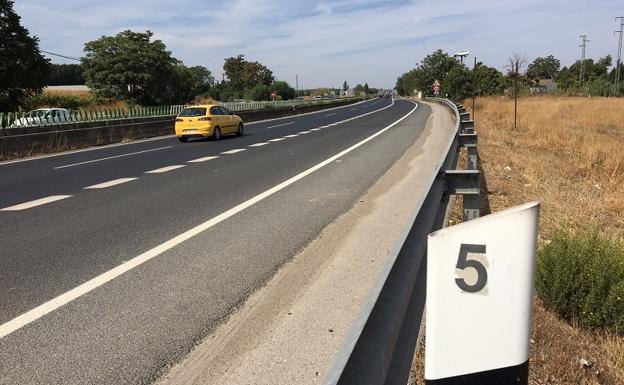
{"points": [[480, 278]]}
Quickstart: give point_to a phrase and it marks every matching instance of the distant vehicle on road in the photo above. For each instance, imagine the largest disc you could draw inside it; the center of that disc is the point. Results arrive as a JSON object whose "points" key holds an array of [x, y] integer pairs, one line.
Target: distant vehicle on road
{"points": [[207, 121], [43, 116]]}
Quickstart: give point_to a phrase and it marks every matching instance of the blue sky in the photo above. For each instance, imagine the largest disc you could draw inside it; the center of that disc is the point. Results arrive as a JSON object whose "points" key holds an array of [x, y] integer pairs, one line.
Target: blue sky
{"points": [[327, 42]]}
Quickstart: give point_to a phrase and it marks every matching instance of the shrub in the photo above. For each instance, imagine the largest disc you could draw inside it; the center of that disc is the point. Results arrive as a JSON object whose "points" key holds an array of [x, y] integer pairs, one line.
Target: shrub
{"points": [[59, 100], [259, 92], [581, 278]]}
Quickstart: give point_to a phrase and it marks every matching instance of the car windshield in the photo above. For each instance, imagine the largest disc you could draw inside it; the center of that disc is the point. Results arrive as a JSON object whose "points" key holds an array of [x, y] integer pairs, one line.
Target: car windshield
{"points": [[36, 113], [193, 112]]}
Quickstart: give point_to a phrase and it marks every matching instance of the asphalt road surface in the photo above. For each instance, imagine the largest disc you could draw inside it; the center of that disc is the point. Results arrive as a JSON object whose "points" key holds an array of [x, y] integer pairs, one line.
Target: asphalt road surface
{"points": [[116, 261]]}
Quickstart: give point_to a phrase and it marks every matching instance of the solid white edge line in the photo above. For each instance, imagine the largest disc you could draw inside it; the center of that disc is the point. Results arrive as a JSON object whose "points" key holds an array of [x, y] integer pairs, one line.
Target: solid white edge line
{"points": [[111, 157], [39, 157], [110, 183], [204, 159], [63, 299], [291, 136], [165, 169], [234, 151], [35, 203]]}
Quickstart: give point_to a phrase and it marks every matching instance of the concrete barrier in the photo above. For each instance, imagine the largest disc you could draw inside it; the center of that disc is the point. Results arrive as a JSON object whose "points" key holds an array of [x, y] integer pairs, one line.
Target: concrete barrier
{"points": [[26, 141]]}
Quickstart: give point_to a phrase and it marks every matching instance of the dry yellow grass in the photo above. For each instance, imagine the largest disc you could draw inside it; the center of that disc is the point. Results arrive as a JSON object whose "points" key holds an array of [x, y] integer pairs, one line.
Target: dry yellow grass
{"points": [[68, 92], [567, 153]]}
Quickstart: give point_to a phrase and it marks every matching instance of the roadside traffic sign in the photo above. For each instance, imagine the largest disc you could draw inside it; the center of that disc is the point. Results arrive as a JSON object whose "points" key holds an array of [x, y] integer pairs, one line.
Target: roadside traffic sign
{"points": [[480, 278], [436, 86]]}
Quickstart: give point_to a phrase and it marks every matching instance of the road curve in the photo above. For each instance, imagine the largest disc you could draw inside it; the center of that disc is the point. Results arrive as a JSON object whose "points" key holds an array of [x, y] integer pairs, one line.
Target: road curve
{"points": [[72, 218]]}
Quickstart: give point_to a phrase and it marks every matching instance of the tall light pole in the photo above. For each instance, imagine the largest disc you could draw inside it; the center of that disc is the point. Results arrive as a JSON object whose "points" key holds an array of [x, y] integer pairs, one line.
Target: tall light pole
{"points": [[583, 45], [619, 56]]}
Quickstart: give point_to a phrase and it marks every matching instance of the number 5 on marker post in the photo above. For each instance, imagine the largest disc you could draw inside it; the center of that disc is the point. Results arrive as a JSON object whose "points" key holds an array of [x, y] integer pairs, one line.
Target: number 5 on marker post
{"points": [[480, 278]]}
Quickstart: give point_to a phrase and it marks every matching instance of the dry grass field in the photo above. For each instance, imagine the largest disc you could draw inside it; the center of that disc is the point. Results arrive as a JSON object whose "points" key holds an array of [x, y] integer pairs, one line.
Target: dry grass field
{"points": [[568, 153]]}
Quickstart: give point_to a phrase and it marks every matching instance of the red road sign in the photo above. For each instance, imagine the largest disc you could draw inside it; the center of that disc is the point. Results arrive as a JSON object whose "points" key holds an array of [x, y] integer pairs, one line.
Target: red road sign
{"points": [[436, 86]]}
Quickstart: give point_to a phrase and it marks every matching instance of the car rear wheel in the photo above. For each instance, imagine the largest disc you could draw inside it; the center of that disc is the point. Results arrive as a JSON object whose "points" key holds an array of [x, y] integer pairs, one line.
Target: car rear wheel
{"points": [[217, 133], [241, 130], [182, 138]]}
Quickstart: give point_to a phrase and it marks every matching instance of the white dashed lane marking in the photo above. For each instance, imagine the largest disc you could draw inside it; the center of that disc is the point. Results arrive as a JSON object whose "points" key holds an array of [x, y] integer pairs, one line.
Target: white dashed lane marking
{"points": [[233, 151], [276, 139], [259, 144], [204, 159], [35, 203], [111, 183], [280, 125], [165, 169]]}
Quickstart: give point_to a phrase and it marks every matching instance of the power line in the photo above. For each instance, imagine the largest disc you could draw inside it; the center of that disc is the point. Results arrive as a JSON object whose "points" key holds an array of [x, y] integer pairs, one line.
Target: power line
{"points": [[59, 55]]}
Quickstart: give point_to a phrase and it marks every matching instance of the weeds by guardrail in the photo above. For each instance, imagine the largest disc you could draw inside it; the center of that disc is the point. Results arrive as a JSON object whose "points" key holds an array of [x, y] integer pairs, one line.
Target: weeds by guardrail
{"points": [[42, 118]]}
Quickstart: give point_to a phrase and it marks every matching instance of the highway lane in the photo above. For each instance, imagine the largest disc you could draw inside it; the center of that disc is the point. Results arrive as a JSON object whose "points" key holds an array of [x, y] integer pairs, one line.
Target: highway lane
{"points": [[45, 176], [130, 329]]}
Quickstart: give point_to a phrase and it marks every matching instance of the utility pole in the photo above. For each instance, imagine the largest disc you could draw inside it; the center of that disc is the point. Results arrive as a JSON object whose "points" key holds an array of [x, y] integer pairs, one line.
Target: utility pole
{"points": [[516, 94], [619, 56], [475, 83], [583, 45]]}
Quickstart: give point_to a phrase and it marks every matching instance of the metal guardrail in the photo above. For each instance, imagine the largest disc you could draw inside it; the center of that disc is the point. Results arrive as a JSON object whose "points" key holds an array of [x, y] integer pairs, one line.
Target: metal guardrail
{"points": [[7, 120], [381, 343]]}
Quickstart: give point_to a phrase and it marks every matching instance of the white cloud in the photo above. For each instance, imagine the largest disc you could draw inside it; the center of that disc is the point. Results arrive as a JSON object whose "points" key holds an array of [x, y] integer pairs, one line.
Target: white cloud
{"points": [[332, 41]]}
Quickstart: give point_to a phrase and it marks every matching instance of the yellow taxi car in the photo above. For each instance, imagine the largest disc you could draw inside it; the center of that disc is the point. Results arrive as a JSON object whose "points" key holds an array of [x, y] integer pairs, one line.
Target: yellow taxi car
{"points": [[207, 121]]}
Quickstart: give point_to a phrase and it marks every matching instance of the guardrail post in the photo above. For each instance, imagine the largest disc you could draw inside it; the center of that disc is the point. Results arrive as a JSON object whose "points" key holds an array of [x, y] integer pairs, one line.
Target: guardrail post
{"points": [[469, 141], [467, 126], [466, 183]]}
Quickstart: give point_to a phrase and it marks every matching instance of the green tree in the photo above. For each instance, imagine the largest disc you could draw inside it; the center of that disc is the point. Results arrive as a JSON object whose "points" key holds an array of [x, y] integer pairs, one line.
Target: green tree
{"points": [[487, 80], [65, 74], [345, 86], [543, 68], [366, 88], [458, 83], [284, 90], [188, 82], [243, 74], [130, 66], [435, 66], [23, 70], [258, 92], [233, 68], [569, 77]]}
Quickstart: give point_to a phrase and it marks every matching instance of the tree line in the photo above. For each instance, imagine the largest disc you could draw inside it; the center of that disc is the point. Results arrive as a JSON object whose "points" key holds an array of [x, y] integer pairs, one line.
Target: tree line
{"points": [[460, 82]]}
